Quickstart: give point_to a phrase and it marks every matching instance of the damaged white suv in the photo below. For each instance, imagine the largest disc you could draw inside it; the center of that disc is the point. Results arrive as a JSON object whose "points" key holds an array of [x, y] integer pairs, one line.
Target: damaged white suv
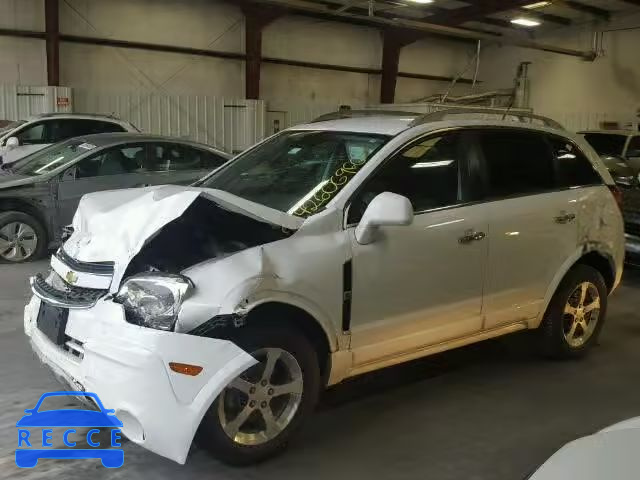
{"points": [[328, 250]]}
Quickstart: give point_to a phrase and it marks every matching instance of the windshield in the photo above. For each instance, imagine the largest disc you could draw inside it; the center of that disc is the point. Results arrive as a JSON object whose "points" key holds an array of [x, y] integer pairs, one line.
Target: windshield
{"points": [[50, 158], [297, 172], [606, 143], [8, 126]]}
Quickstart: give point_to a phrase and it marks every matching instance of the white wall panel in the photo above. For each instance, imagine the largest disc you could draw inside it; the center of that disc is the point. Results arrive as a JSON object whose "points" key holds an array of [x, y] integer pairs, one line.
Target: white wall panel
{"points": [[18, 102], [297, 84], [23, 61], [579, 94], [22, 14], [194, 23], [229, 124], [313, 40], [101, 68]]}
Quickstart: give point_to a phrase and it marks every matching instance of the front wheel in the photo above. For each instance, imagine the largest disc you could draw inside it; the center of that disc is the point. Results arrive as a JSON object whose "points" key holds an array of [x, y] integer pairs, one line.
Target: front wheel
{"points": [[575, 315], [255, 415], [22, 238]]}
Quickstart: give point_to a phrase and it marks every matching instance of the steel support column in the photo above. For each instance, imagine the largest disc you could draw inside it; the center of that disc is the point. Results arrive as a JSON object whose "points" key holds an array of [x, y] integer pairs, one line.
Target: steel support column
{"points": [[256, 19], [52, 37], [392, 43]]}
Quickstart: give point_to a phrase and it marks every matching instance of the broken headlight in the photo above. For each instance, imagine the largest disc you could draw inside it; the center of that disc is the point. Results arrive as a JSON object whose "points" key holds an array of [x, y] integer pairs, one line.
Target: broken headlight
{"points": [[153, 299]]}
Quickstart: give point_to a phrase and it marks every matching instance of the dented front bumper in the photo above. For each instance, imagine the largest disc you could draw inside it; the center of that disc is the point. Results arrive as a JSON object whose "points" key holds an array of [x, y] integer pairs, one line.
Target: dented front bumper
{"points": [[128, 367]]}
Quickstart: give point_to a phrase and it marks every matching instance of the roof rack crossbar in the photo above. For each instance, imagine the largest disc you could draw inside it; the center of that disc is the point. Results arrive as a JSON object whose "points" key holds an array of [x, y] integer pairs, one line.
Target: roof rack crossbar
{"points": [[524, 117]]}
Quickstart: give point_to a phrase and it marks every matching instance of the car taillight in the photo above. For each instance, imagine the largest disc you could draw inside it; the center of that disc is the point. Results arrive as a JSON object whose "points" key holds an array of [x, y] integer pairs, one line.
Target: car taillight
{"points": [[617, 194]]}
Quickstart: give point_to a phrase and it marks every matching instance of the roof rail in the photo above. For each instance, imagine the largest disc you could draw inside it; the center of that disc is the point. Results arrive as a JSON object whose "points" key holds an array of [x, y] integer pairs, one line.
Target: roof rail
{"points": [[519, 115], [79, 114], [363, 113]]}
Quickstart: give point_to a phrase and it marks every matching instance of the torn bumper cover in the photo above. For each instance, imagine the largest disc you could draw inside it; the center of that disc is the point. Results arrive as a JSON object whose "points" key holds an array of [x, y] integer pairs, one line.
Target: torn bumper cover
{"points": [[128, 367]]}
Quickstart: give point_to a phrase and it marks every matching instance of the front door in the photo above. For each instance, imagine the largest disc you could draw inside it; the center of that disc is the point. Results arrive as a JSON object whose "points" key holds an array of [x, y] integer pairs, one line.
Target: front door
{"points": [[421, 284], [110, 169]]}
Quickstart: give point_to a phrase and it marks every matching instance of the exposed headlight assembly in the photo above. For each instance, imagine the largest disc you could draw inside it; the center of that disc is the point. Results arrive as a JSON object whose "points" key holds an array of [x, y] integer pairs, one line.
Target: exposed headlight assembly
{"points": [[154, 299]]}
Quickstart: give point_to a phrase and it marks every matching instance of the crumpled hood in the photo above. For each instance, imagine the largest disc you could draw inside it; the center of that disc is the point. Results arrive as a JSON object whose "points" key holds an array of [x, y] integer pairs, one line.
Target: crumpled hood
{"points": [[115, 225]]}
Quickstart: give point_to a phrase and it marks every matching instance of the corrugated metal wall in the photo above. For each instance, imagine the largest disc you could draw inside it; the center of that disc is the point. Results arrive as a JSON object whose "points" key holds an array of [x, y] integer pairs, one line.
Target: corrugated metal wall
{"points": [[20, 102], [229, 124]]}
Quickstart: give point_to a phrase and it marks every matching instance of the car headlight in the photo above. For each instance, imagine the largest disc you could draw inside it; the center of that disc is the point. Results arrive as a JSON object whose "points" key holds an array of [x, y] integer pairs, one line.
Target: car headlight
{"points": [[153, 299]]}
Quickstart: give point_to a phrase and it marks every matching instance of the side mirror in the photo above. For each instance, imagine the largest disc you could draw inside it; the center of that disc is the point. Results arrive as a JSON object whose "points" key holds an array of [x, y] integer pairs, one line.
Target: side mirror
{"points": [[386, 210], [12, 142]]}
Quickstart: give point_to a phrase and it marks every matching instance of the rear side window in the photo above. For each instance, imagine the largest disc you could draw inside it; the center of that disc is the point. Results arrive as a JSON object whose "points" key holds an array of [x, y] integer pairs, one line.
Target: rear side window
{"points": [[517, 163], [573, 168], [633, 150]]}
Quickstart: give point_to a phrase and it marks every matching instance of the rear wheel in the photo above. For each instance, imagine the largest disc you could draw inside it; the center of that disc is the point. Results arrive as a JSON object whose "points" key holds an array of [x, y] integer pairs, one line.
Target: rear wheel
{"points": [[255, 415], [22, 237], [576, 314]]}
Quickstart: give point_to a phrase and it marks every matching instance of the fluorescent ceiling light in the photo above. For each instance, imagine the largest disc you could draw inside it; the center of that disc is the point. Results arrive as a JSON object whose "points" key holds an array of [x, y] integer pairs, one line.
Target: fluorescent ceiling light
{"points": [[533, 6], [421, 1], [525, 22]]}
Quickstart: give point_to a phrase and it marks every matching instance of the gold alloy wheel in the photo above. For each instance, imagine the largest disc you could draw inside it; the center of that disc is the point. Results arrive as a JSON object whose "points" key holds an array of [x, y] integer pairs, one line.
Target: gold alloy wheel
{"points": [[581, 314], [261, 402]]}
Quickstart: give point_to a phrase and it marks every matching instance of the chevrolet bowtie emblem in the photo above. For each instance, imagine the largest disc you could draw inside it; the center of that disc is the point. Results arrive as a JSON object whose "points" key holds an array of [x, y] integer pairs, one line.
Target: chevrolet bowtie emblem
{"points": [[71, 277]]}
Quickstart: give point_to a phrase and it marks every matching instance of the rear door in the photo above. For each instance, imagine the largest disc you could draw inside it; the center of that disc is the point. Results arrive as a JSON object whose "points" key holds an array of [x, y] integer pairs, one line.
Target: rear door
{"points": [[532, 221], [109, 169]]}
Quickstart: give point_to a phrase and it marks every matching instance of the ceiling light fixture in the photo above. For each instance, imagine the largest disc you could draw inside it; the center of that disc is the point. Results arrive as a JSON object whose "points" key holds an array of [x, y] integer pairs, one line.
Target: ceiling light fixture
{"points": [[525, 22], [533, 6], [421, 1]]}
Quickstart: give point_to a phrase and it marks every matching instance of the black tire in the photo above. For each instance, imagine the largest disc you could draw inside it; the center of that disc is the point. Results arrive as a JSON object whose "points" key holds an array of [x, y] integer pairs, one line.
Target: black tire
{"points": [[552, 330], [38, 228], [211, 435]]}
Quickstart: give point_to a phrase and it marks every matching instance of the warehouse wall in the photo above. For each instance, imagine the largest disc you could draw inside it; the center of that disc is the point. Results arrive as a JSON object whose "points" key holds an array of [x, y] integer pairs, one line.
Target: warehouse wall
{"points": [[576, 92], [217, 26], [22, 60]]}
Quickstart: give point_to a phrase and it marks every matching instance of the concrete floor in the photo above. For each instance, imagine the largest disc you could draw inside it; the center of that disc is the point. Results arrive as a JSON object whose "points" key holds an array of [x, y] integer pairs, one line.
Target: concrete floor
{"points": [[491, 411]]}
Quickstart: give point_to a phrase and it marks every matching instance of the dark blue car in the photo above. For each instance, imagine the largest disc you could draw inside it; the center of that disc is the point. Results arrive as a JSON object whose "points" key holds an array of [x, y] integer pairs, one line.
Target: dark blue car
{"points": [[67, 418]]}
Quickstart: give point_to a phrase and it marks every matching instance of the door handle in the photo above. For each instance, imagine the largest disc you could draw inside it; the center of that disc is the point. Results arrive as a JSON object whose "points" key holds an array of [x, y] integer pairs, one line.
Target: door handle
{"points": [[565, 218], [471, 236]]}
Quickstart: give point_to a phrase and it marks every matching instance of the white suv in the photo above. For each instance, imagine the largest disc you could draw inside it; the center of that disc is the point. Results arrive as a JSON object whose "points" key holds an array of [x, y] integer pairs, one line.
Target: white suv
{"points": [[25, 137], [328, 250]]}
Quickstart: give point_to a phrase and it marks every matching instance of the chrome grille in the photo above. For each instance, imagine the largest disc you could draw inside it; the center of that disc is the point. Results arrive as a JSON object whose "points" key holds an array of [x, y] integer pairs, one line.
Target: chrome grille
{"points": [[97, 268], [55, 291]]}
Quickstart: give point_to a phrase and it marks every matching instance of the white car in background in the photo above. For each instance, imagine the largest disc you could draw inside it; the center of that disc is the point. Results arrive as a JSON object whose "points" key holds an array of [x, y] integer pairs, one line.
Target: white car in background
{"points": [[21, 138], [610, 454], [328, 250], [624, 144]]}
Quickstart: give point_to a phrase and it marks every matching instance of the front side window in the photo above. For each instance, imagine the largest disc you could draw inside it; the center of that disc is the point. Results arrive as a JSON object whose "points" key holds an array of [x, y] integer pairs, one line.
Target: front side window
{"points": [[51, 158], [32, 135], [172, 157], [573, 169], [633, 151], [606, 143], [427, 172], [517, 163], [297, 172], [114, 161]]}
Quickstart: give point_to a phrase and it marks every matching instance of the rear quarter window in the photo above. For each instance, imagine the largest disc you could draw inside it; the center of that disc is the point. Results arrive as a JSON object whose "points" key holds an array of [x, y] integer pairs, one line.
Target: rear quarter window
{"points": [[573, 168]]}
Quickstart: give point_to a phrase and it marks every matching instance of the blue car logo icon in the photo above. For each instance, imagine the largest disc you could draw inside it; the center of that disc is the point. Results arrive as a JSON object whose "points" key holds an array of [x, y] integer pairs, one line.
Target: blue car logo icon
{"points": [[110, 456]]}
